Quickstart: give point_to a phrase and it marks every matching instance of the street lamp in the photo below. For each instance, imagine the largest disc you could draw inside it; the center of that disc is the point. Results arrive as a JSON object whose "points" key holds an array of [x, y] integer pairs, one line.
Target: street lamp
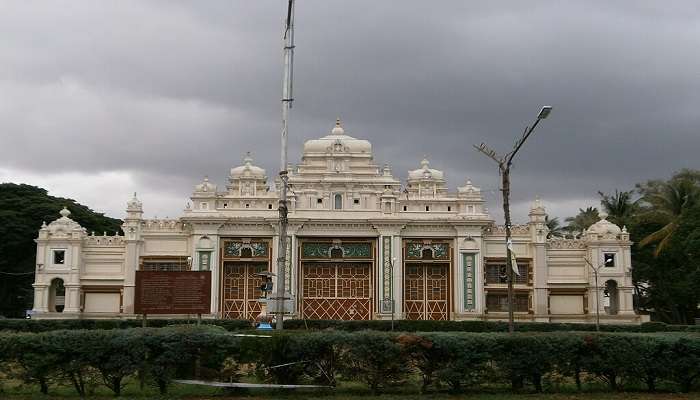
{"points": [[597, 289], [504, 164]]}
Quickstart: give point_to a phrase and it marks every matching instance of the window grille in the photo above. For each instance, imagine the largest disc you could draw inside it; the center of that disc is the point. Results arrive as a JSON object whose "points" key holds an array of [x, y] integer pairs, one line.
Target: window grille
{"points": [[497, 273], [498, 302], [172, 264]]}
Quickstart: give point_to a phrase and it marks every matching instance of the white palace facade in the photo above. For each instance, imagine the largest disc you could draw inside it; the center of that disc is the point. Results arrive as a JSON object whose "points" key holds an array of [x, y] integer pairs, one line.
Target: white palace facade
{"points": [[359, 239]]}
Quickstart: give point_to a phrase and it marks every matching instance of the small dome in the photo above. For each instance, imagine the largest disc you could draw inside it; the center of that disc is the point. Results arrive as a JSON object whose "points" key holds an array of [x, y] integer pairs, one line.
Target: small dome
{"points": [[425, 172], [604, 226], [468, 189], [337, 142], [134, 204], [248, 170], [205, 186], [338, 129]]}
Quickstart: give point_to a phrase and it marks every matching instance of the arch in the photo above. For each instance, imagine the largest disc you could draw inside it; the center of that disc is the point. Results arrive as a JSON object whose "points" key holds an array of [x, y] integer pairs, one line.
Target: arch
{"points": [[57, 295], [246, 252], [337, 252], [613, 299], [338, 201], [427, 254]]}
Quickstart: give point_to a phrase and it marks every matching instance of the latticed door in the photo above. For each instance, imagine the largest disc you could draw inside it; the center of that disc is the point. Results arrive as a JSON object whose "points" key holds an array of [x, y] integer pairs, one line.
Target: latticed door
{"points": [[426, 291], [336, 291], [241, 290]]}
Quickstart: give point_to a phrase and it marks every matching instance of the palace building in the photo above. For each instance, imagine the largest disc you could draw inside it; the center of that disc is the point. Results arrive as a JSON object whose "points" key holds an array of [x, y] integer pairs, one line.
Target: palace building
{"points": [[359, 239]]}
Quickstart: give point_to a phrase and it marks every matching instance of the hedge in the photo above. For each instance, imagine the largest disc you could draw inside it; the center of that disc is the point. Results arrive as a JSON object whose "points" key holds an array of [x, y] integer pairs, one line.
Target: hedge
{"points": [[456, 360], [44, 325]]}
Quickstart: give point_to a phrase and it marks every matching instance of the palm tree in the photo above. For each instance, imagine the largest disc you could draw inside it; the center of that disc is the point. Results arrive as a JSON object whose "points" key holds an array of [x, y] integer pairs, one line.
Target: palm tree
{"points": [[583, 220], [668, 201], [554, 226], [619, 206]]}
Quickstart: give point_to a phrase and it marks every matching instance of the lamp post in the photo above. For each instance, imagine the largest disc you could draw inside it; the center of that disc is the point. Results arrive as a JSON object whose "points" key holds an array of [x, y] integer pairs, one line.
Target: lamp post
{"points": [[597, 294], [504, 164], [597, 288]]}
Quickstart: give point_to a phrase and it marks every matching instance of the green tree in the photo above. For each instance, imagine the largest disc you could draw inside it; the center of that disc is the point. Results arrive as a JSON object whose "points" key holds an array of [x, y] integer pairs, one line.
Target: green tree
{"points": [[669, 286], [554, 226], [619, 206], [23, 208], [665, 203], [583, 220]]}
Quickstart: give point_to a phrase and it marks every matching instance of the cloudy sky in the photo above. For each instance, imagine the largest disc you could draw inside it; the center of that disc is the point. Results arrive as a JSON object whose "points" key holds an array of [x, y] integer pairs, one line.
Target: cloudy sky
{"points": [[101, 99]]}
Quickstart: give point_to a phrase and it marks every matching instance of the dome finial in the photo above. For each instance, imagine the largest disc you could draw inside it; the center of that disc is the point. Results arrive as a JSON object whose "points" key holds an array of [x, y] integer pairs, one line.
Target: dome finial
{"points": [[338, 129], [64, 212], [424, 163]]}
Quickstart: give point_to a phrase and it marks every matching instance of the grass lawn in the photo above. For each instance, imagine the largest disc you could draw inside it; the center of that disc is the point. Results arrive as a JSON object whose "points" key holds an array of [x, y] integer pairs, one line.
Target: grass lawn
{"points": [[14, 391]]}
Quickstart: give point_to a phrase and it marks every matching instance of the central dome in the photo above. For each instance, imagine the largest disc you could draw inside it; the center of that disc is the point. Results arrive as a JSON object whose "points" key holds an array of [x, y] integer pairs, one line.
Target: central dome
{"points": [[337, 142]]}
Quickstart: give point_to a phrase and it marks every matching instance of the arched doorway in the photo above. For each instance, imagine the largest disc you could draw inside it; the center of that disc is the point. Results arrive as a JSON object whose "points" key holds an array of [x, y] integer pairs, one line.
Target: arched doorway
{"points": [[57, 295], [611, 303]]}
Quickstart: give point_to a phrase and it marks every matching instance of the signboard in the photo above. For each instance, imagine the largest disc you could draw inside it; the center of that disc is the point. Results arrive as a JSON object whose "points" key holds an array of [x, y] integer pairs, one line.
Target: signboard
{"points": [[170, 292]]}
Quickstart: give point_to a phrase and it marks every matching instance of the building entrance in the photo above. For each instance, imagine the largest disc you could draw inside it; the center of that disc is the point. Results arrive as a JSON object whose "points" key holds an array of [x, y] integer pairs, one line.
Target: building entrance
{"points": [[241, 289], [337, 291], [426, 293]]}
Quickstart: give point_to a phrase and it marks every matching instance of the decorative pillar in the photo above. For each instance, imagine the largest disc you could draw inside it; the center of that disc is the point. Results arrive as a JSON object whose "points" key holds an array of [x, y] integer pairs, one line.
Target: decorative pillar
{"points": [[132, 236], [538, 234]]}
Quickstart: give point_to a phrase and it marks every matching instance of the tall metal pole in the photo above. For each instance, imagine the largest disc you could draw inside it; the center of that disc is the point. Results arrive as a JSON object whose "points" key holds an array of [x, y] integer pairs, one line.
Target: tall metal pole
{"points": [[597, 294], [287, 100], [505, 180], [504, 164]]}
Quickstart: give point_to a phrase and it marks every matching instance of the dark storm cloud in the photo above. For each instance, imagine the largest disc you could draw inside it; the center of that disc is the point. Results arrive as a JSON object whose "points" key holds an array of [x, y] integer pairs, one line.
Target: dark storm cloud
{"points": [[171, 91]]}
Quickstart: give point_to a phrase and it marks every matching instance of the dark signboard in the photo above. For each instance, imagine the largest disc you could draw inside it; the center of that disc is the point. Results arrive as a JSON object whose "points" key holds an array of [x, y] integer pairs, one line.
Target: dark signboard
{"points": [[169, 292]]}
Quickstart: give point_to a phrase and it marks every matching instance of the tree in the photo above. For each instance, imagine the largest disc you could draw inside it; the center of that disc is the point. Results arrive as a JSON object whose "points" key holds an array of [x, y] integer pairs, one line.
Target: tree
{"points": [[669, 286], [665, 203], [583, 220], [22, 210], [619, 206], [554, 226]]}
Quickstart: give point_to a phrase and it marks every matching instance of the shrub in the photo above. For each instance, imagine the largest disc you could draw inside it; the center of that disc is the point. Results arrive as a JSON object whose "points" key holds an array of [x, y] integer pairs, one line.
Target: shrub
{"points": [[375, 359]]}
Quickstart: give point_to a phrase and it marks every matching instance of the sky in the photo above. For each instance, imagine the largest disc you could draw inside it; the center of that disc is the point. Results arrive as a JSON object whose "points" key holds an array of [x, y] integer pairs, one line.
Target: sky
{"points": [[102, 99]]}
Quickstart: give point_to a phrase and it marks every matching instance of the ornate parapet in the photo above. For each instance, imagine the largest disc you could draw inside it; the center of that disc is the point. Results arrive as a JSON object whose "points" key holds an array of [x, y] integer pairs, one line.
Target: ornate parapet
{"points": [[104, 240], [500, 230], [163, 225], [565, 243]]}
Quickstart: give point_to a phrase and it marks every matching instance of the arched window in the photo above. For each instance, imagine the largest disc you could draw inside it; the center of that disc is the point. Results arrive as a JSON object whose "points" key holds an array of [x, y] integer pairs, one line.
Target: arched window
{"points": [[611, 300], [246, 252], [427, 254], [338, 198], [57, 295]]}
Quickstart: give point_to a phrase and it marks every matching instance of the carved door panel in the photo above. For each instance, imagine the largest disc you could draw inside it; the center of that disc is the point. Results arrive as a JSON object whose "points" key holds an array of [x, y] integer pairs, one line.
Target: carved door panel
{"points": [[241, 290], [336, 291], [414, 303], [426, 291]]}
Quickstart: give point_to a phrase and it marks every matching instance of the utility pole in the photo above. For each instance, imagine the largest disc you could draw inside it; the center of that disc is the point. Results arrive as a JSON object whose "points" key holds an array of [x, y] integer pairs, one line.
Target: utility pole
{"points": [[287, 100], [504, 164]]}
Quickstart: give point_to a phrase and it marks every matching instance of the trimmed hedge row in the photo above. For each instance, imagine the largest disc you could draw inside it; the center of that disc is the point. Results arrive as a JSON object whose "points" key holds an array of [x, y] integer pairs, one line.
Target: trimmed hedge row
{"points": [[482, 326], [379, 359], [29, 325], [45, 325]]}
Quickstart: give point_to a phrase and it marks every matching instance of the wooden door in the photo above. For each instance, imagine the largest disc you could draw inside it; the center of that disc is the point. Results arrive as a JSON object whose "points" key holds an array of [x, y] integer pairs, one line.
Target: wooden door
{"points": [[340, 291], [426, 291], [241, 290]]}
